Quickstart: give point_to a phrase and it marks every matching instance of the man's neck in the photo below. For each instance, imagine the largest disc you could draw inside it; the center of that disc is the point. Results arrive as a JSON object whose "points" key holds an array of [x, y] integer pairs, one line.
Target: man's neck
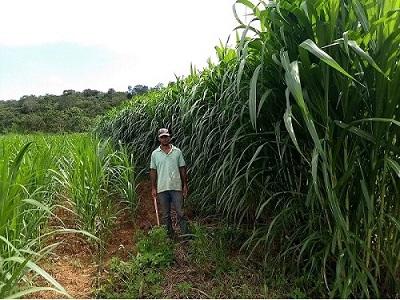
{"points": [[166, 148]]}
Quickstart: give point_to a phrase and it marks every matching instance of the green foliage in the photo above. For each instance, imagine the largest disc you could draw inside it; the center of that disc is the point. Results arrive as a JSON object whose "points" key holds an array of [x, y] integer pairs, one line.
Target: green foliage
{"points": [[294, 135], [70, 112], [141, 276], [145, 274], [184, 288], [155, 249], [84, 175], [297, 294], [209, 249], [123, 176], [31, 170], [26, 201], [137, 90], [92, 173], [213, 253]]}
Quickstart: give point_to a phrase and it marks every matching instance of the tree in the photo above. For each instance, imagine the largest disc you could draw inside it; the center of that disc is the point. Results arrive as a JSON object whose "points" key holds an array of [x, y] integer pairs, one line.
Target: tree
{"points": [[90, 92], [137, 90], [68, 92], [72, 111], [29, 105], [32, 122]]}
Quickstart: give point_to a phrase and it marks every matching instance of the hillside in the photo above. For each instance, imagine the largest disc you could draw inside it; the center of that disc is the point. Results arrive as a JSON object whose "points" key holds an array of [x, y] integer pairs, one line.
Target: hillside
{"points": [[73, 111]]}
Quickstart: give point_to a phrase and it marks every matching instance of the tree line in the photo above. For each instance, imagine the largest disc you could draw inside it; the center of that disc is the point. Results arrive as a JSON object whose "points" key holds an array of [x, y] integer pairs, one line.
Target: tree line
{"points": [[72, 111]]}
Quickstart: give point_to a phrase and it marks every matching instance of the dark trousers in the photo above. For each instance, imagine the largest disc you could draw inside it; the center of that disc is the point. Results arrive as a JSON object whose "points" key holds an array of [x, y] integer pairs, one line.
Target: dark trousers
{"points": [[168, 199]]}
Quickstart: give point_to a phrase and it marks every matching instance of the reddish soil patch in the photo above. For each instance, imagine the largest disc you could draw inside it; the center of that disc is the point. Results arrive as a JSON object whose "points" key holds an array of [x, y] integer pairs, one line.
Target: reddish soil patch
{"points": [[76, 266], [74, 262], [71, 262], [122, 241], [146, 216]]}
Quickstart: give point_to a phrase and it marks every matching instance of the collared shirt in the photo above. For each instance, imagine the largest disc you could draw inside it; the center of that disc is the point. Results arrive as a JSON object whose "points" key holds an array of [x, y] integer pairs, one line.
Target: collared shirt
{"points": [[167, 167]]}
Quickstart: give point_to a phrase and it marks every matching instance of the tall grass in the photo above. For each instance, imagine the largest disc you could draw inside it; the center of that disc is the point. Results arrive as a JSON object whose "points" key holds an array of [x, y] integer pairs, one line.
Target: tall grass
{"points": [[123, 176], [26, 201], [294, 135], [349, 121], [93, 176]]}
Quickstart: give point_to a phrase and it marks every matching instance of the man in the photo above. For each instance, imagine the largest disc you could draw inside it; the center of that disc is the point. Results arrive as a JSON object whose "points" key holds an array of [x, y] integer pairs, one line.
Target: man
{"points": [[169, 180]]}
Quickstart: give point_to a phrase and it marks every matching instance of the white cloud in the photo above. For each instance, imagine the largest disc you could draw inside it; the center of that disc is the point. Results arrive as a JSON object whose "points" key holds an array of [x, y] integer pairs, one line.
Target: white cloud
{"points": [[151, 40]]}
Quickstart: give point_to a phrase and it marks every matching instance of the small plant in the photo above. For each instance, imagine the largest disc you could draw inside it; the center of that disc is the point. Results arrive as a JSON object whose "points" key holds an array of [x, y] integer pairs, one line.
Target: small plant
{"points": [[141, 276], [297, 294], [184, 288], [209, 249], [155, 249]]}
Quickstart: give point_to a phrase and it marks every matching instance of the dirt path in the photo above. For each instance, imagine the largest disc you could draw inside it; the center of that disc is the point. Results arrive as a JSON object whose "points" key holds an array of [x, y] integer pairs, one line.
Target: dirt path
{"points": [[73, 263]]}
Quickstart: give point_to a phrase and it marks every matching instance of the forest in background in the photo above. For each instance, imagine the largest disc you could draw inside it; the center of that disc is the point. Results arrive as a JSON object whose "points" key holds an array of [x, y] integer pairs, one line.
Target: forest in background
{"points": [[72, 111]]}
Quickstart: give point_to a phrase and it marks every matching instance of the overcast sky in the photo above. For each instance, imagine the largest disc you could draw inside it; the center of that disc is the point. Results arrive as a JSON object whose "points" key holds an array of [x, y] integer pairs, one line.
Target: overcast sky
{"points": [[47, 46]]}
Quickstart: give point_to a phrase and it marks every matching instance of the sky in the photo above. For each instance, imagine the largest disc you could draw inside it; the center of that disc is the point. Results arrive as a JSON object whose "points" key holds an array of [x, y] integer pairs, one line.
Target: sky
{"points": [[47, 46]]}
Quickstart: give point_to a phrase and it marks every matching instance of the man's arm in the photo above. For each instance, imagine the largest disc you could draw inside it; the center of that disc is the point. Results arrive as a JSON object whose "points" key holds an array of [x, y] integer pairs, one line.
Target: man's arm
{"points": [[184, 178], [153, 179]]}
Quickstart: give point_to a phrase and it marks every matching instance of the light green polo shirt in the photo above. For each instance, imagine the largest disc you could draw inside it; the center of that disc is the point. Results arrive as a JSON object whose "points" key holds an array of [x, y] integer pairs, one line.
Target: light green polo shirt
{"points": [[167, 167]]}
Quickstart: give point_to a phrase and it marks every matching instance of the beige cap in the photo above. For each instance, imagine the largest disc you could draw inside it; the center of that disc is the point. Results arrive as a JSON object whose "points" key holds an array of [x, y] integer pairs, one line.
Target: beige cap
{"points": [[163, 132]]}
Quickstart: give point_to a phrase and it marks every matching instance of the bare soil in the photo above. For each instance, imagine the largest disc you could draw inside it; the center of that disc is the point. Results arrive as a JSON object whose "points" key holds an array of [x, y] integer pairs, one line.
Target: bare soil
{"points": [[74, 263]]}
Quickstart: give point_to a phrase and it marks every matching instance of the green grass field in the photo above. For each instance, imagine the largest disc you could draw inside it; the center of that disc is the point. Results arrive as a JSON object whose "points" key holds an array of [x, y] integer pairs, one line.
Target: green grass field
{"points": [[43, 175], [292, 144], [42, 172]]}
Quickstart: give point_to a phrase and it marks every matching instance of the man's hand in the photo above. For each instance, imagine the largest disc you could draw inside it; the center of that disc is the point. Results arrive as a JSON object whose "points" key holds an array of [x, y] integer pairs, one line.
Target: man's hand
{"points": [[185, 191], [154, 193]]}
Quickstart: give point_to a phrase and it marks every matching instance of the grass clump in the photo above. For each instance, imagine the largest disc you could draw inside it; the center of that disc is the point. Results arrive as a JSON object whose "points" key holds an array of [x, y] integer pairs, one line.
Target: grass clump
{"points": [[93, 174], [208, 265], [27, 197], [141, 276], [40, 173], [214, 253], [209, 250]]}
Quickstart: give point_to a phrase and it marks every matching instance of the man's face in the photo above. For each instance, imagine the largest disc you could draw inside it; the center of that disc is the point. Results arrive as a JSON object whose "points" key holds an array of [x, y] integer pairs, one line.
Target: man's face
{"points": [[164, 140]]}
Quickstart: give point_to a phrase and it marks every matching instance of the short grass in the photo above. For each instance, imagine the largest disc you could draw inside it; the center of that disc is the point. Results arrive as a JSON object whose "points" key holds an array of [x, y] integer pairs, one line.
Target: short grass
{"points": [[206, 266]]}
